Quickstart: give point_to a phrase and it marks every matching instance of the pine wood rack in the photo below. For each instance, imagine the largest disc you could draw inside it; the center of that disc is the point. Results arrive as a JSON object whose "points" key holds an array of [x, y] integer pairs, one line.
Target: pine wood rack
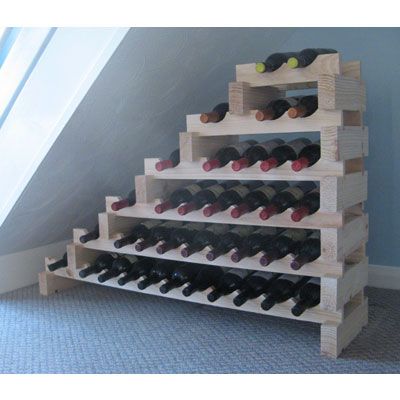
{"points": [[343, 264]]}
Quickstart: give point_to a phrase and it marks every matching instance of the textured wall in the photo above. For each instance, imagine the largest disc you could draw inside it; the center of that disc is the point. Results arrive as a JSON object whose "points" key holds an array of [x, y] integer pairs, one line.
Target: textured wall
{"points": [[135, 109]]}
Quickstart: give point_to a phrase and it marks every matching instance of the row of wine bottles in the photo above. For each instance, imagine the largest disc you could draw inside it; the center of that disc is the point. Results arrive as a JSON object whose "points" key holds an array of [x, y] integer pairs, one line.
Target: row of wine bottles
{"points": [[295, 107], [298, 59], [274, 288], [272, 153], [243, 241], [268, 199]]}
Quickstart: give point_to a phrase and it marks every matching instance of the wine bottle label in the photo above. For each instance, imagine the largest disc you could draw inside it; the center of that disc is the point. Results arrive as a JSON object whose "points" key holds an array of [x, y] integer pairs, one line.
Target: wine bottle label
{"points": [[291, 278], [297, 235], [295, 191], [298, 144], [241, 190], [243, 230], [197, 226], [264, 274], [269, 145], [269, 191], [241, 147], [242, 273], [218, 229], [150, 223], [267, 230], [216, 190], [315, 235], [132, 259], [193, 189]]}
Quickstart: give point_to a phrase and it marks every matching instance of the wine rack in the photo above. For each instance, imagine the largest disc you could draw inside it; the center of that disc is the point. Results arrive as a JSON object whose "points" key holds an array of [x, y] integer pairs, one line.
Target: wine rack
{"points": [[343, 264]]}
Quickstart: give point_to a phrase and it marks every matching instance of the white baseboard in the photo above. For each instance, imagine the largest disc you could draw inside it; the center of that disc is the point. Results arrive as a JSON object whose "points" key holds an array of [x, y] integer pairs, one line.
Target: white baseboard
{"points": [[381, 276], [21, 269]]}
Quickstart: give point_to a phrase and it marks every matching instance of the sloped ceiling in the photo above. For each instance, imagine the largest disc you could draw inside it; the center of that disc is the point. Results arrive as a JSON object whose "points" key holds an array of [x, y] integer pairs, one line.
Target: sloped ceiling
{"points": [[134, 110]]}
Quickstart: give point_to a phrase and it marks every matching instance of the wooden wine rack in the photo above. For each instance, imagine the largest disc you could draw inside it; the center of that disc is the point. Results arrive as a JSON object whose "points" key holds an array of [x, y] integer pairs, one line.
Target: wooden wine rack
{"points": [[342, 266]]}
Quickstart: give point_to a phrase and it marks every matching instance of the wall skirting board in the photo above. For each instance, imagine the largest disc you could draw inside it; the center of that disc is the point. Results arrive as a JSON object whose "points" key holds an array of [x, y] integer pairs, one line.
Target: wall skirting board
{"points": [[21, 269]]}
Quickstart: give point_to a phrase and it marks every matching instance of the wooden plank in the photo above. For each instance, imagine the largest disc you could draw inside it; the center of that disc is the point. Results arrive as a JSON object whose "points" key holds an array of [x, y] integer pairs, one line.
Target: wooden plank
{"points": [[338, 92], [243, 97], [320, 219], [287, 78], [352, 69], [192, 146], [194, 170], [318, 267], [247, 124], [337, 244], [340, 193], [49, 283], [335, 293], [315, 314], [336, 337], [343, 143]]}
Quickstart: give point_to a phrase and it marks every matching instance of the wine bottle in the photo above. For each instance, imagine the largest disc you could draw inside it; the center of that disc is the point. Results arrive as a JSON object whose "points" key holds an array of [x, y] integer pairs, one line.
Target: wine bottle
{"points": [[172, 161], [92, 235], [183, 195], [260, 197], [286, 243], [306, 106], [228, 153], [182, 274], [179, 236], [216, 115], [102, 262], [231, 197], [282, 289], [258, 152], [259, 240], [308, 205], [62, 263], [286, 198], [120, 265], [206, 196], [306, 57], [254, 286], [309, 296], [140, 231], [274, 61], [137, 270], [229, 241], [307, 157], [309, 251], [229, 282], [286, 152], [208, 276], [275, 109], [208, 237], [157, 234], [129, 201], [161, 270]]}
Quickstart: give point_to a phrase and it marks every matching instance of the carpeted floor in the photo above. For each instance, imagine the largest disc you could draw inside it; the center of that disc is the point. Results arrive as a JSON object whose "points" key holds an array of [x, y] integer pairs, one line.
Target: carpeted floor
{"points": [[93, 329]]}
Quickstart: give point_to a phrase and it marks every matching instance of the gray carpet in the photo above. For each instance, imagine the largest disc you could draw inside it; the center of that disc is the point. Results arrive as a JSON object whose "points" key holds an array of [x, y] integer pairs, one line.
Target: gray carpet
{"points": [[93, 329]]}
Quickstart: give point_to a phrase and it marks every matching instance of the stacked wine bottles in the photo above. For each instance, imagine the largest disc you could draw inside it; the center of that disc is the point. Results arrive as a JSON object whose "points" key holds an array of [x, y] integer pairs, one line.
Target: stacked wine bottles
{"points": [[273, 225]]}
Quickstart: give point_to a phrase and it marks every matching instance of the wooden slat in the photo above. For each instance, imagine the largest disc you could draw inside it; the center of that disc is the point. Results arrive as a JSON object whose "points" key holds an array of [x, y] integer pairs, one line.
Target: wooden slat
{"points": [[243, 97], [194, 170], [248, 125], [338, 92], [287, 78]]}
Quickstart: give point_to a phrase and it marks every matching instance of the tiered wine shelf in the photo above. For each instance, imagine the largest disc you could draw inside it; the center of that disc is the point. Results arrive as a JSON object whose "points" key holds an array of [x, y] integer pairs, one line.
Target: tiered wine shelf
{"points": [[342, 266]]}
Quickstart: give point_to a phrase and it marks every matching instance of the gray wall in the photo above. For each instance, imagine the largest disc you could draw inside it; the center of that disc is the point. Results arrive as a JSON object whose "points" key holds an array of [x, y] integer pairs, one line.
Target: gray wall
{"points": [[138, 105]]}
